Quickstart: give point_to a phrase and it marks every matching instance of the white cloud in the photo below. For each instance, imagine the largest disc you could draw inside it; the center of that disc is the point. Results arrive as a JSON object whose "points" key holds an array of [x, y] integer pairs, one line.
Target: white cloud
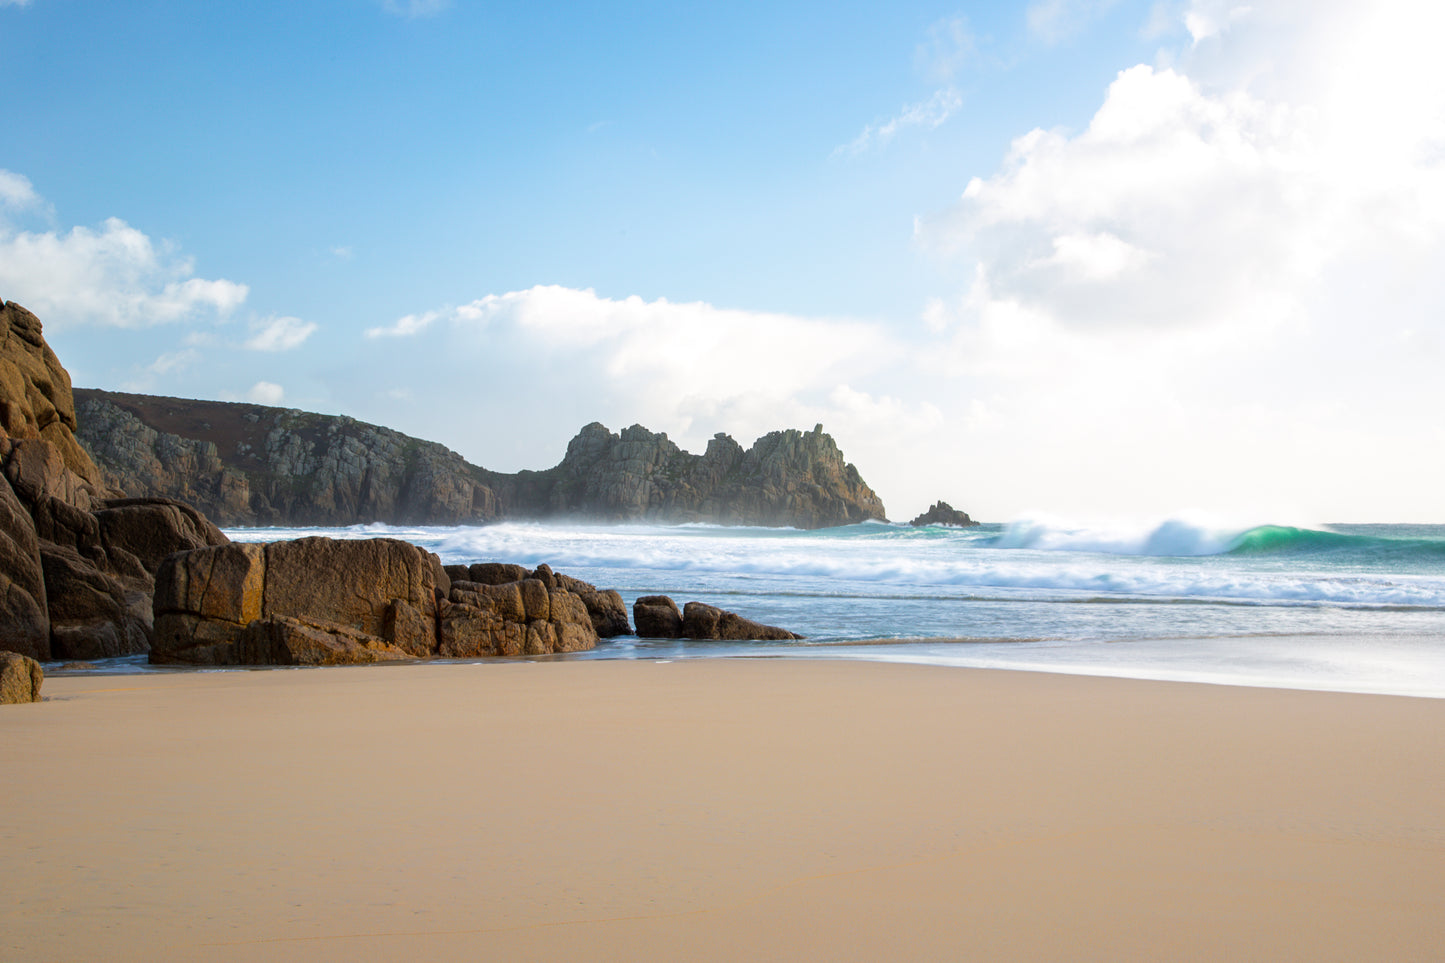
{"points": [[342, 252], [406, 326], [413, 9], [266, 393], [928, 114], [279, 334], [1173, 207], [1095, 257], [14, 3], [675, 350], [112, 276], [1205, 19], [554, 358], [1054, 20], [1225, 281], [16, 191]]}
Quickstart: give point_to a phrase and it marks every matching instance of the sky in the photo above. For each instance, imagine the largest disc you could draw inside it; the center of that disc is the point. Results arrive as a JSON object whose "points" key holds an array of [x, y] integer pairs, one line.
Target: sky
{"points": [[1079, 259]]}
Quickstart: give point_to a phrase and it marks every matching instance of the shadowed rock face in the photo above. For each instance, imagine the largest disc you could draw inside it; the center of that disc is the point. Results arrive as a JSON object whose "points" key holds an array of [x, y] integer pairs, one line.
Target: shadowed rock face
{"points": [[657, 617], [787, 478], [76, 564], [253, 465]]}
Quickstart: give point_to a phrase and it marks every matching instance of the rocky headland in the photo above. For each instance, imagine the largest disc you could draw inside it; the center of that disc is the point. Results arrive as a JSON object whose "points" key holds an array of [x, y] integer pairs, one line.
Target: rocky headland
{"points": [[89, 572], [251, 465]]}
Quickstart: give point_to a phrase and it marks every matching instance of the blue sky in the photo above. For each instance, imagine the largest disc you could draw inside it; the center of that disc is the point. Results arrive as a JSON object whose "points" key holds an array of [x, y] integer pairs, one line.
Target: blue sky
{"points": [[1075, 256]]}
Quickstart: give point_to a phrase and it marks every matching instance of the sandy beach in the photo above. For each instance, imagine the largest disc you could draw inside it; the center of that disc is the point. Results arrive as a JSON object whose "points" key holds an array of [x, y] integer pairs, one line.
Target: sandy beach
{"points": [[716, 810]]}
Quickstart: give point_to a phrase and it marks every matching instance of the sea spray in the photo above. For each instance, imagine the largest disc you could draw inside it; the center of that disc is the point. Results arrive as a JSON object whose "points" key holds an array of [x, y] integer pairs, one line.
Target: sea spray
{"points": [[1352, 607]]}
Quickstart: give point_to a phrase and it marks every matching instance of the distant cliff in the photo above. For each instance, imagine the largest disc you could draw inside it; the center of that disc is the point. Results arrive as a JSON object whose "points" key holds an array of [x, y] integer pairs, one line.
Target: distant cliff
{"points": [[246, 464]]}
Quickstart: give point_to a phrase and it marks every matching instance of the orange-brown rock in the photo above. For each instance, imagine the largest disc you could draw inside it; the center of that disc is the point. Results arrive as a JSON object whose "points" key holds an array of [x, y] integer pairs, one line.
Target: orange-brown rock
{"points": [[24, 616], [495, 573], [152, 528], [71, 585], [349, 582], [20, 678], [282, 640], [377, 593], [36, 401], [657, 617], [607, 611], [701, 621]]}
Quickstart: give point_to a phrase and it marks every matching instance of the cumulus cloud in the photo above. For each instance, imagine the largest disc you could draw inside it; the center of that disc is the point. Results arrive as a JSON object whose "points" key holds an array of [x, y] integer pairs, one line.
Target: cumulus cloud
{"points": [[927, 114], [1234, 262], [1205, 19], [689, 368], [266, 393], [676, 350], [112, 276], [1179, 205], [279, 334]]}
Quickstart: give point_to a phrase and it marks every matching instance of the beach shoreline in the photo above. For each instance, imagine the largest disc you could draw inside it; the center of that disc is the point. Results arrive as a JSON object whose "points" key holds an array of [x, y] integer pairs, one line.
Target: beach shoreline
{"points": [[1398, 664], [718, 809]]}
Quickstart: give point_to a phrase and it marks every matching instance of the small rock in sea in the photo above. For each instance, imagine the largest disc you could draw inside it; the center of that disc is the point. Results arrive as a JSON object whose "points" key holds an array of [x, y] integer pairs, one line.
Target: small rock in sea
{"points": [[657, 617], [943, 513]]}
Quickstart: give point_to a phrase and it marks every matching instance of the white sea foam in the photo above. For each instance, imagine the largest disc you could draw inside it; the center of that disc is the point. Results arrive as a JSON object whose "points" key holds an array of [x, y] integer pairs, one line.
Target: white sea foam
{"points": [[1175, 559], [1189, 534]]}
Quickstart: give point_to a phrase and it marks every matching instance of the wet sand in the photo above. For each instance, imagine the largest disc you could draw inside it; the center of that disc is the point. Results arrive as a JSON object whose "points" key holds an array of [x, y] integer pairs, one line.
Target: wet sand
{"points": [[716, 810]]}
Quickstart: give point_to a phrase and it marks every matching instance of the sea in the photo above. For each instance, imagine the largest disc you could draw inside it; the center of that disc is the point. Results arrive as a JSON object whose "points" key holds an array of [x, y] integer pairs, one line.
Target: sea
{"points": [[1351, 608]]}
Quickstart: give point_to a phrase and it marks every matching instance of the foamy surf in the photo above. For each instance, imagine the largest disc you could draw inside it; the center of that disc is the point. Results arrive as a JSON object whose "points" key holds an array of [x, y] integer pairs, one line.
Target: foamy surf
{"points": [[1153, 592]]}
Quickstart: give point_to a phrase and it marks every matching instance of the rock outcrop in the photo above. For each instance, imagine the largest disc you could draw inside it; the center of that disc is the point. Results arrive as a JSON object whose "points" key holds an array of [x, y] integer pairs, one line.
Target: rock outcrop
{"points": [[943, 513], [657, 617], [251, 465], [87, 573], [20, 678], [322, 601], [701, 621], [76, 563], [787, 478]]}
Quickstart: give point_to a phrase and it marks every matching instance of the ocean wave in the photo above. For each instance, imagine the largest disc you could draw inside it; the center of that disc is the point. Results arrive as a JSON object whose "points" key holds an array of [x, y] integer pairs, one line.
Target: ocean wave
{"points": [[1287, 540], [1041, 561], [1171, 537], [1188, 537]]}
